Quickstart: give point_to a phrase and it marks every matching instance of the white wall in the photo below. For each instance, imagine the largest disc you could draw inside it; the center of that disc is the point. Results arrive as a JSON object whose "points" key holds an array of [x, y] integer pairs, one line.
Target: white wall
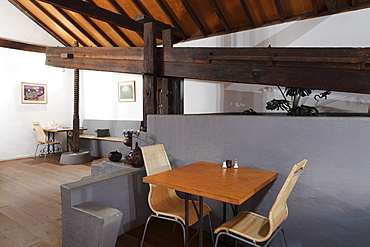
{"points": [[99, 96], [17, 138], [341, 30]]}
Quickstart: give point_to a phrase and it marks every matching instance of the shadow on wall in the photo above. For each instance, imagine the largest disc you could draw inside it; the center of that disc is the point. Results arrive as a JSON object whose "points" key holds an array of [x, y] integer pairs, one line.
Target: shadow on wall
{"points": [[283, 38]]}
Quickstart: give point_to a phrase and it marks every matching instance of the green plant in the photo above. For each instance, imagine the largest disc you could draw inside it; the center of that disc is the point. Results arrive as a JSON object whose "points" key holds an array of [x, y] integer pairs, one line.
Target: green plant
{"points": [[292, 106]]}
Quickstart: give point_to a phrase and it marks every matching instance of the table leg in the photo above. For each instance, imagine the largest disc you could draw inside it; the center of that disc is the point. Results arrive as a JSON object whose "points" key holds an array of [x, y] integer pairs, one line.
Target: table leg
{"points": [[201, 221], [186, 219]]}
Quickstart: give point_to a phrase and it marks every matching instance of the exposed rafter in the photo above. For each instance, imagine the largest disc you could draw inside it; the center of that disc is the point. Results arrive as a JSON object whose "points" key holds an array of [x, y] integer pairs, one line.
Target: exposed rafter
{"points": [[38, 21], [194, 17], [170, 16], [332, 5], [117, 30], [65, 15], [279, 9], [220, 14], [315, 11], [354, 3], [59, 23], [248, 13], [96, 12], [141, 8]]}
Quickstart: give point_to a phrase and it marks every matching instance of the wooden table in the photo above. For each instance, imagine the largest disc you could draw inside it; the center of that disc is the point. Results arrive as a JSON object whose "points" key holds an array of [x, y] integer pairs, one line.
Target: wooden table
{"points": [[68, 130], [210, 180]]}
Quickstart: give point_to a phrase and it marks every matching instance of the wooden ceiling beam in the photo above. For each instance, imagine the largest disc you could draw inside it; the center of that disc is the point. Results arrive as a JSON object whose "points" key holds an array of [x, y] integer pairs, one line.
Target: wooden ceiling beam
{"points": [[171, 17], [141, 8], [120, 10], [96, 12], [248, 13], [116, 29], [30, 15], [332, 5], [194, 17], [354, 3], [336, 69], [83, 31], [220, 15], [7, 43], [59, 23], [315, 10], [279, 9]]}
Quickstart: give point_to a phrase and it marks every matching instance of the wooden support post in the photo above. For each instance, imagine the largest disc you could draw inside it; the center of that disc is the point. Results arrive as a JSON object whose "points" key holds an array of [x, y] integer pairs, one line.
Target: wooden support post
{"points": [[150, 73]]}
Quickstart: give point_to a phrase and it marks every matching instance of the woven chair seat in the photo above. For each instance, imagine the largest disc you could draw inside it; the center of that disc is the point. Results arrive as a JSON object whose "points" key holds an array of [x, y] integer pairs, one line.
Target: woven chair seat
{"points": [[167, 203], [248, 225]]}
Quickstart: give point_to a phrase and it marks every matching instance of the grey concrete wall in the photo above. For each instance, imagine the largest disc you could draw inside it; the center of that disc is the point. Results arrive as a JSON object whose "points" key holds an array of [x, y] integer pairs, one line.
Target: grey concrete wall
{"points": [[330, 205]]}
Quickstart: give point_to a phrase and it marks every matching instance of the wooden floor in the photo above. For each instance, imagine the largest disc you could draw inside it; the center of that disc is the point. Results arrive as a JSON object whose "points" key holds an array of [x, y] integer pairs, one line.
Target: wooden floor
{"points": [[30, 207]]}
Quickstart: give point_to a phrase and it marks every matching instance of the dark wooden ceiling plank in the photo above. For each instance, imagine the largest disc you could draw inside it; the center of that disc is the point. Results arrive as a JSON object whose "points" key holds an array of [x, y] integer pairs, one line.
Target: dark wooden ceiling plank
{"points": [[30, 15], [194, 17], [141, 8], [248, 13], [332, 5], [7, 43], [279, 9], [337, 69], [354, 3], [115, 28], [220, 15], [120, 10], [96, 12], [171, 17], [82, 30], [315, 10], [57, 22]]}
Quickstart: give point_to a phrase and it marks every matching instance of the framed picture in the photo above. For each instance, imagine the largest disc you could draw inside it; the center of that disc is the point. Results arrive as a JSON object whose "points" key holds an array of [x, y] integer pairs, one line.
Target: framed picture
{"points": [[126, 91], [33, 93]]}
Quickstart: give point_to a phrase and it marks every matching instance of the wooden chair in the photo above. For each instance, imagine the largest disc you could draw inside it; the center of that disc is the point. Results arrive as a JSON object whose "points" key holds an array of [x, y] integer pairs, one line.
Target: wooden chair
{"points": [[164, 202], [41, 139], [253, 228]]}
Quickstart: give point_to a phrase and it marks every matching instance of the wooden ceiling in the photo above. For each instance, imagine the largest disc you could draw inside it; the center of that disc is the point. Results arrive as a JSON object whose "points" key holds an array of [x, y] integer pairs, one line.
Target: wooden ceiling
{"points": [[111, 23]]}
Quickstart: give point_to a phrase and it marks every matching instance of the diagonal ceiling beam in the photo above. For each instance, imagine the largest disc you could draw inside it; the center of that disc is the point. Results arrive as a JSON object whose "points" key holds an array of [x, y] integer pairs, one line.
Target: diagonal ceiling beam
{"points": [[117, 30], [220, 15], [141, 8], [83, 31], [248, 13], [194, 17], [332, 5], [354, 3], [25, 11], [171, 17], [279, 9], [59, 23], [96, 12], [120, 10], [315, 11]]}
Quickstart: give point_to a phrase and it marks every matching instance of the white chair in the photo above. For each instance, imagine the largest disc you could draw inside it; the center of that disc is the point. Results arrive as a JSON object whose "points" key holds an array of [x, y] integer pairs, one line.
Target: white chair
{"points": [[164, 202], [253, 228], [41, 139]]}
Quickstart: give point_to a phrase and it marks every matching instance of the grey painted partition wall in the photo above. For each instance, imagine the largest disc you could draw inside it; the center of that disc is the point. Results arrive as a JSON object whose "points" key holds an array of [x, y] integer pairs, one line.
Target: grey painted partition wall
{"points": [[330, 205]]}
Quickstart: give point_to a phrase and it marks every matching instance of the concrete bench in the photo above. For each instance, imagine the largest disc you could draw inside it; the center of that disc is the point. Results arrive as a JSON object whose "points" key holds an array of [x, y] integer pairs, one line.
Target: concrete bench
{"points": [[101, 146], [98, 208]]}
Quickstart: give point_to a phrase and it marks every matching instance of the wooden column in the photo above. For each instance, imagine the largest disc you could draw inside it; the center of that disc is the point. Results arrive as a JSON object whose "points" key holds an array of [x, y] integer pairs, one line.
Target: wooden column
{"points": [[150, 73]]}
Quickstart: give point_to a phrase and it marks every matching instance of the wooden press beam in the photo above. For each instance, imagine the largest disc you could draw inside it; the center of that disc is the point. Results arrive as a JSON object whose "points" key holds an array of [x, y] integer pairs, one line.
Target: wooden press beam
{"points": [[7, 43], [337, 69]]}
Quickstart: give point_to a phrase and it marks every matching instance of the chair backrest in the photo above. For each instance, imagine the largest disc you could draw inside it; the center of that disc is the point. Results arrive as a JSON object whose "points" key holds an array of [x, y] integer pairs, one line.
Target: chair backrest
{"points": [[155, 159], [279, 210], [40, 134]]}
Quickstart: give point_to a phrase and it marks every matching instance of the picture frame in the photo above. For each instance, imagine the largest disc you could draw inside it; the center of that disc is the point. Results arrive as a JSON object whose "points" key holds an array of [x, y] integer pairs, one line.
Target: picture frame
{"points": [[126, 91], [33, 93]]}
